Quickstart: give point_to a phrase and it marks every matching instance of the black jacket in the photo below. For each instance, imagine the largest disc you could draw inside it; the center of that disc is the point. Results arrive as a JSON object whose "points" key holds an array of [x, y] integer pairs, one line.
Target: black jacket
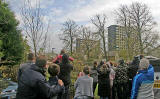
{"points": [[33, 85], [103, 84], [64, 75], [23, 67], [53, 81]]}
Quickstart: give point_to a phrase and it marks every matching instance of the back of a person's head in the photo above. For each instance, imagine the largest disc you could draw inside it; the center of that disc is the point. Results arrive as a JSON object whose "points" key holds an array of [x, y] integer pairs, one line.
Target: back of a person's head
{"points": [[95, 63], [141, 56], [62, 52], [30, 56], [121, 62], [65, 59], [144, 64], [102, 62], [53, 69], [135, 61], [111, 63], [86, 70], [104, 69], [41, 61]]}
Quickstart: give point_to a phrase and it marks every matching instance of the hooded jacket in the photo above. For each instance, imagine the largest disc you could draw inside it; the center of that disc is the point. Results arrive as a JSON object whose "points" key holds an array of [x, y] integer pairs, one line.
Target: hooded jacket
{"points": [[142, 87], [58, 59], [23, 67], [65, 70], [33, 85]]}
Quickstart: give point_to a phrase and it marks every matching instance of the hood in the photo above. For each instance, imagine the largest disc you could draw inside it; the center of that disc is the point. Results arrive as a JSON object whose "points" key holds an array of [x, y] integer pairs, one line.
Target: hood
{"points": [[65, 59]]}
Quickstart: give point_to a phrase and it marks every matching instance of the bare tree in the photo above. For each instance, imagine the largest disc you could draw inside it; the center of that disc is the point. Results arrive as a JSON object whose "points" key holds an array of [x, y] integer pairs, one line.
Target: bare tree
{"points": [[100, 22], [69, 33], [142, 22], [139, 25], [33, 25], [88, 39], [124, 19]]}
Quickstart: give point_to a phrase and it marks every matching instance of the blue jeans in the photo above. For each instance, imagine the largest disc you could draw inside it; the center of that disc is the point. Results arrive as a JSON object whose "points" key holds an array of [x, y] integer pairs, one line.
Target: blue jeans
{"points": [[103, 97]]}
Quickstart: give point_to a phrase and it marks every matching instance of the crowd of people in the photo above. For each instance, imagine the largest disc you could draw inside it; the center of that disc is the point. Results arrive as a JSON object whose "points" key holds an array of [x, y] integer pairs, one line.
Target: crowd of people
{"points": [[112, 81]]}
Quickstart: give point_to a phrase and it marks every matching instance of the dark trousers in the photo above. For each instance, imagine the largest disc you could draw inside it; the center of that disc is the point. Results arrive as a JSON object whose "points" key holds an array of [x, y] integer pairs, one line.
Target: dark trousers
{"points": [[122, 91], [130, 88], [83, 97], [64, 95], [113, 96]]}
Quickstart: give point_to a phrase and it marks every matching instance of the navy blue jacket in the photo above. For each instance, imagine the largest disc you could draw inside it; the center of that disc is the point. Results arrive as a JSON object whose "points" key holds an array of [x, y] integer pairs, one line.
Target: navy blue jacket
{"points": [[33, 85]]}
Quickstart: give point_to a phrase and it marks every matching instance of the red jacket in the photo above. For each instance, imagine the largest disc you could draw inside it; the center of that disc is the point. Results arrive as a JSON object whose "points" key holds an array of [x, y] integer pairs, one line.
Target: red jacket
{"points": [[59, 59]]}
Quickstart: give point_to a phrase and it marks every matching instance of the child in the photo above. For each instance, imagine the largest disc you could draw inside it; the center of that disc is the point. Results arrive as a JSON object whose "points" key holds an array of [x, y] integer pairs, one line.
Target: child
{"points": [[84, 86], [54, 70]]}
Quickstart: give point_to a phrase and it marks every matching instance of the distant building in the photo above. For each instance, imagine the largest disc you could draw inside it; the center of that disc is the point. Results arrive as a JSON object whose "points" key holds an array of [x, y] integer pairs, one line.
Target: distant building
{"points": [[117, 38], [88, 47]]}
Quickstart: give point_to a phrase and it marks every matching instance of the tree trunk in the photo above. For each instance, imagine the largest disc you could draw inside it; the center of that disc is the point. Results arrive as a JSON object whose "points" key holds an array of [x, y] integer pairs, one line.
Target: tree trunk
{"points": [[104, 47], [140, 41], [71, 45], [128, 42], [35, 50], [88, 52]]}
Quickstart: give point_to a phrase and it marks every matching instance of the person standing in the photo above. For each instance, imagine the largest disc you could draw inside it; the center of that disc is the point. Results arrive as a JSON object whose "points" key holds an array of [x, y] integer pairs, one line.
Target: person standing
{"points": [[58, 58], [94, 75], [100, 65], [22, 67], [54, 70], [111, 78], [33, 85], [121, 80], [142, 87], [84, 86], [132, 71], [104, 82], [64, 75]]}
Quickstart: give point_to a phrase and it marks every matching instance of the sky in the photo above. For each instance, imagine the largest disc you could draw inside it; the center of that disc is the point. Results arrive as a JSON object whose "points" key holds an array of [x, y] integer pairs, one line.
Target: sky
{"points": [[81, 11]]}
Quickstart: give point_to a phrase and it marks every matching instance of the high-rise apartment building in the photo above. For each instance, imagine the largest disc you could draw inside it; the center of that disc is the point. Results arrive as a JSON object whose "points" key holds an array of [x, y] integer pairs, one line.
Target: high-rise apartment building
{"points": [[117, 38]]}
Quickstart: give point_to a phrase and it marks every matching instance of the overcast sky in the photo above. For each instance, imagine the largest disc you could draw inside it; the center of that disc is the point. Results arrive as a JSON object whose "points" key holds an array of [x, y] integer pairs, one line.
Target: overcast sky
{"points": [[58, 11]]}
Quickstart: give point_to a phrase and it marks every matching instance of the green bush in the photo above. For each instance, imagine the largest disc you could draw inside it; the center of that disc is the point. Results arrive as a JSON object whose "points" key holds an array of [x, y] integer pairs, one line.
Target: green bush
{"points": [[9, 72]]}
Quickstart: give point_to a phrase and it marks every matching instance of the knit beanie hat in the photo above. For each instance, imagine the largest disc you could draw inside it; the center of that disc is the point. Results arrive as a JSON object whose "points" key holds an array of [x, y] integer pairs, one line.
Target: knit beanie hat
{"points": [[144, 63]]}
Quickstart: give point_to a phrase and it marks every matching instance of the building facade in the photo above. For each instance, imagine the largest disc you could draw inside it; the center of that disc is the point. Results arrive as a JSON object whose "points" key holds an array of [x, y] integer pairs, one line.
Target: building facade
{"points": [[88, 47], [116, 38], [122, 39]]}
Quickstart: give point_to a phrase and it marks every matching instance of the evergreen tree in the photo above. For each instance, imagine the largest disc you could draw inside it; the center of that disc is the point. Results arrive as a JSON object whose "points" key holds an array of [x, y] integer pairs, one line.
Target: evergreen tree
{"points": [[12, 46]]}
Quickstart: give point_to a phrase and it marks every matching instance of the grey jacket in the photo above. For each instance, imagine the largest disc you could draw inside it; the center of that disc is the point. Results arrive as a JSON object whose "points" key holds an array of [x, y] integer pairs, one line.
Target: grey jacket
{"points": [[84, 86]]}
